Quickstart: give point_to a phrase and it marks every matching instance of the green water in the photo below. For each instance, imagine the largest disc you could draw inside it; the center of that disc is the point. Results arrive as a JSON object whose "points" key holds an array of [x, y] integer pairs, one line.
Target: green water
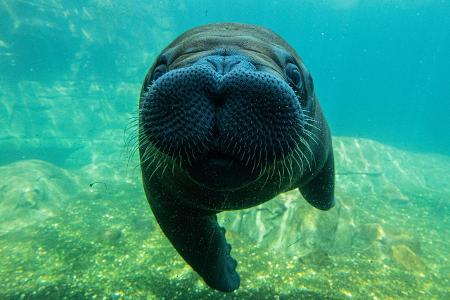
{"points": [[74, 221]]}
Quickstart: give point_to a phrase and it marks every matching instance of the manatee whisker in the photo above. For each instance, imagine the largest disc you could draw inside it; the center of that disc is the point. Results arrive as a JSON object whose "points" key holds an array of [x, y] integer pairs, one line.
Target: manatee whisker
{"points": [[318, 141], [179, 156], [248, 159], [170, 150], [307, 124], [151, 154], [290, 170], [273, 166], [311, 135], [306, 158], [300, 166], [234, 147], [309, 118], [285, 168], [260, 154], [145, 156], [164, 170], [301, 155], [279, 177], [268, 176], [282, 158], [159, 164], [173, 163], [305, 143], [266, 161], [193, 154], [295, 152], [187, 157], [255, 149]]}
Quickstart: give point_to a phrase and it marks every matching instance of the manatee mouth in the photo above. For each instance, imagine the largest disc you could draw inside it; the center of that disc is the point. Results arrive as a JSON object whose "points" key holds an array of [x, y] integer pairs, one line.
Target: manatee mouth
{"points": [[221, 171]]}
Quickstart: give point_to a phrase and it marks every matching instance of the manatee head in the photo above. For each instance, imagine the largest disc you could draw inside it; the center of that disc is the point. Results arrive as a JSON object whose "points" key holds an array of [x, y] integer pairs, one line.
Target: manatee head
{"points": [[225, 104]]}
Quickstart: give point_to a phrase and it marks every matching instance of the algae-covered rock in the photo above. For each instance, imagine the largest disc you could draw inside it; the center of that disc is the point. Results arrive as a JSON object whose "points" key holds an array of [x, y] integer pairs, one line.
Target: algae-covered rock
{"points": [[287, 224], [407, 258], [32, 191]]}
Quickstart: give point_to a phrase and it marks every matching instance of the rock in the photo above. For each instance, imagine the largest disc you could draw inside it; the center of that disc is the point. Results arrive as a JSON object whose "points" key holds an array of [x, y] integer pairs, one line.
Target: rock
{"points": [[371, 233], [319, 258], [409, 260], [32, 191], [113, 235]]}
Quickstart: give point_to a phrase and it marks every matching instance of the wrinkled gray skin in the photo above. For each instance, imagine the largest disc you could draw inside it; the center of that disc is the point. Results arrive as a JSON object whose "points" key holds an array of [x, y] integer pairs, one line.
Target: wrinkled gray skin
{"points": [[228, 120]]}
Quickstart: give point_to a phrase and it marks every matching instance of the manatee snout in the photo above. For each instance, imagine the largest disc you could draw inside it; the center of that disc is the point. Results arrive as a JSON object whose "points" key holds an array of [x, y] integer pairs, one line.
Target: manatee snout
{"points": [[222, 113]]}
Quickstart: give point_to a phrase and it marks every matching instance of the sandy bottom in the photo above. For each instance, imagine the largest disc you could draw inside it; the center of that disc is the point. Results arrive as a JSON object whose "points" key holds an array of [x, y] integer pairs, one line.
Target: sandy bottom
{"points": [[89, 233]]}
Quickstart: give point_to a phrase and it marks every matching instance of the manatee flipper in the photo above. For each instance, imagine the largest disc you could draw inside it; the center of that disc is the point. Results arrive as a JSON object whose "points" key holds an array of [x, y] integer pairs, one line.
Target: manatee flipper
{"points": [[200, 240], [319, 192]]}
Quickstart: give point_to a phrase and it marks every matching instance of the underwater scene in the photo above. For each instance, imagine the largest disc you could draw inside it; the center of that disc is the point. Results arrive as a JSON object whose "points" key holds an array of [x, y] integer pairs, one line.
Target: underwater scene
{"points": [[75, 219]]}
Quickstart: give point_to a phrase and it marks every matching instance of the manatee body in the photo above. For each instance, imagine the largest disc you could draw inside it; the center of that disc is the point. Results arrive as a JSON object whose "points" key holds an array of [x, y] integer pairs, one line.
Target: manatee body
{"points": [[228, 119]]}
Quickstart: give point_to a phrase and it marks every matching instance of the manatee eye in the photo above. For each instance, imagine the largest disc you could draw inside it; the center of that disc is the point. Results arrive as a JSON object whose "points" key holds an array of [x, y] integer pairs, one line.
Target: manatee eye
{"points": [[294, 74], [159, 71]]}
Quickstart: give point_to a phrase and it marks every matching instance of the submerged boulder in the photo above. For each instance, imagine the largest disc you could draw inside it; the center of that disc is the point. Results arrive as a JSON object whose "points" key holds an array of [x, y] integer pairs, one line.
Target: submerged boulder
{"points": [[32, 191]]}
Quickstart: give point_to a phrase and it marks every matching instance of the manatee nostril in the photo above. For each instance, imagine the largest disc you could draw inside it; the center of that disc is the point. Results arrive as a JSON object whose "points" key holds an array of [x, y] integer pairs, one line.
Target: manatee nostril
{"points": [[228, 67], [217, 65], [223, 64]]}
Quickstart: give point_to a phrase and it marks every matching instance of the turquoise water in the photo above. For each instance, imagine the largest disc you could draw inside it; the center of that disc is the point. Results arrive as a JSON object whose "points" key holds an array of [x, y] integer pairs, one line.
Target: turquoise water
{"points": [[74, 222]]}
